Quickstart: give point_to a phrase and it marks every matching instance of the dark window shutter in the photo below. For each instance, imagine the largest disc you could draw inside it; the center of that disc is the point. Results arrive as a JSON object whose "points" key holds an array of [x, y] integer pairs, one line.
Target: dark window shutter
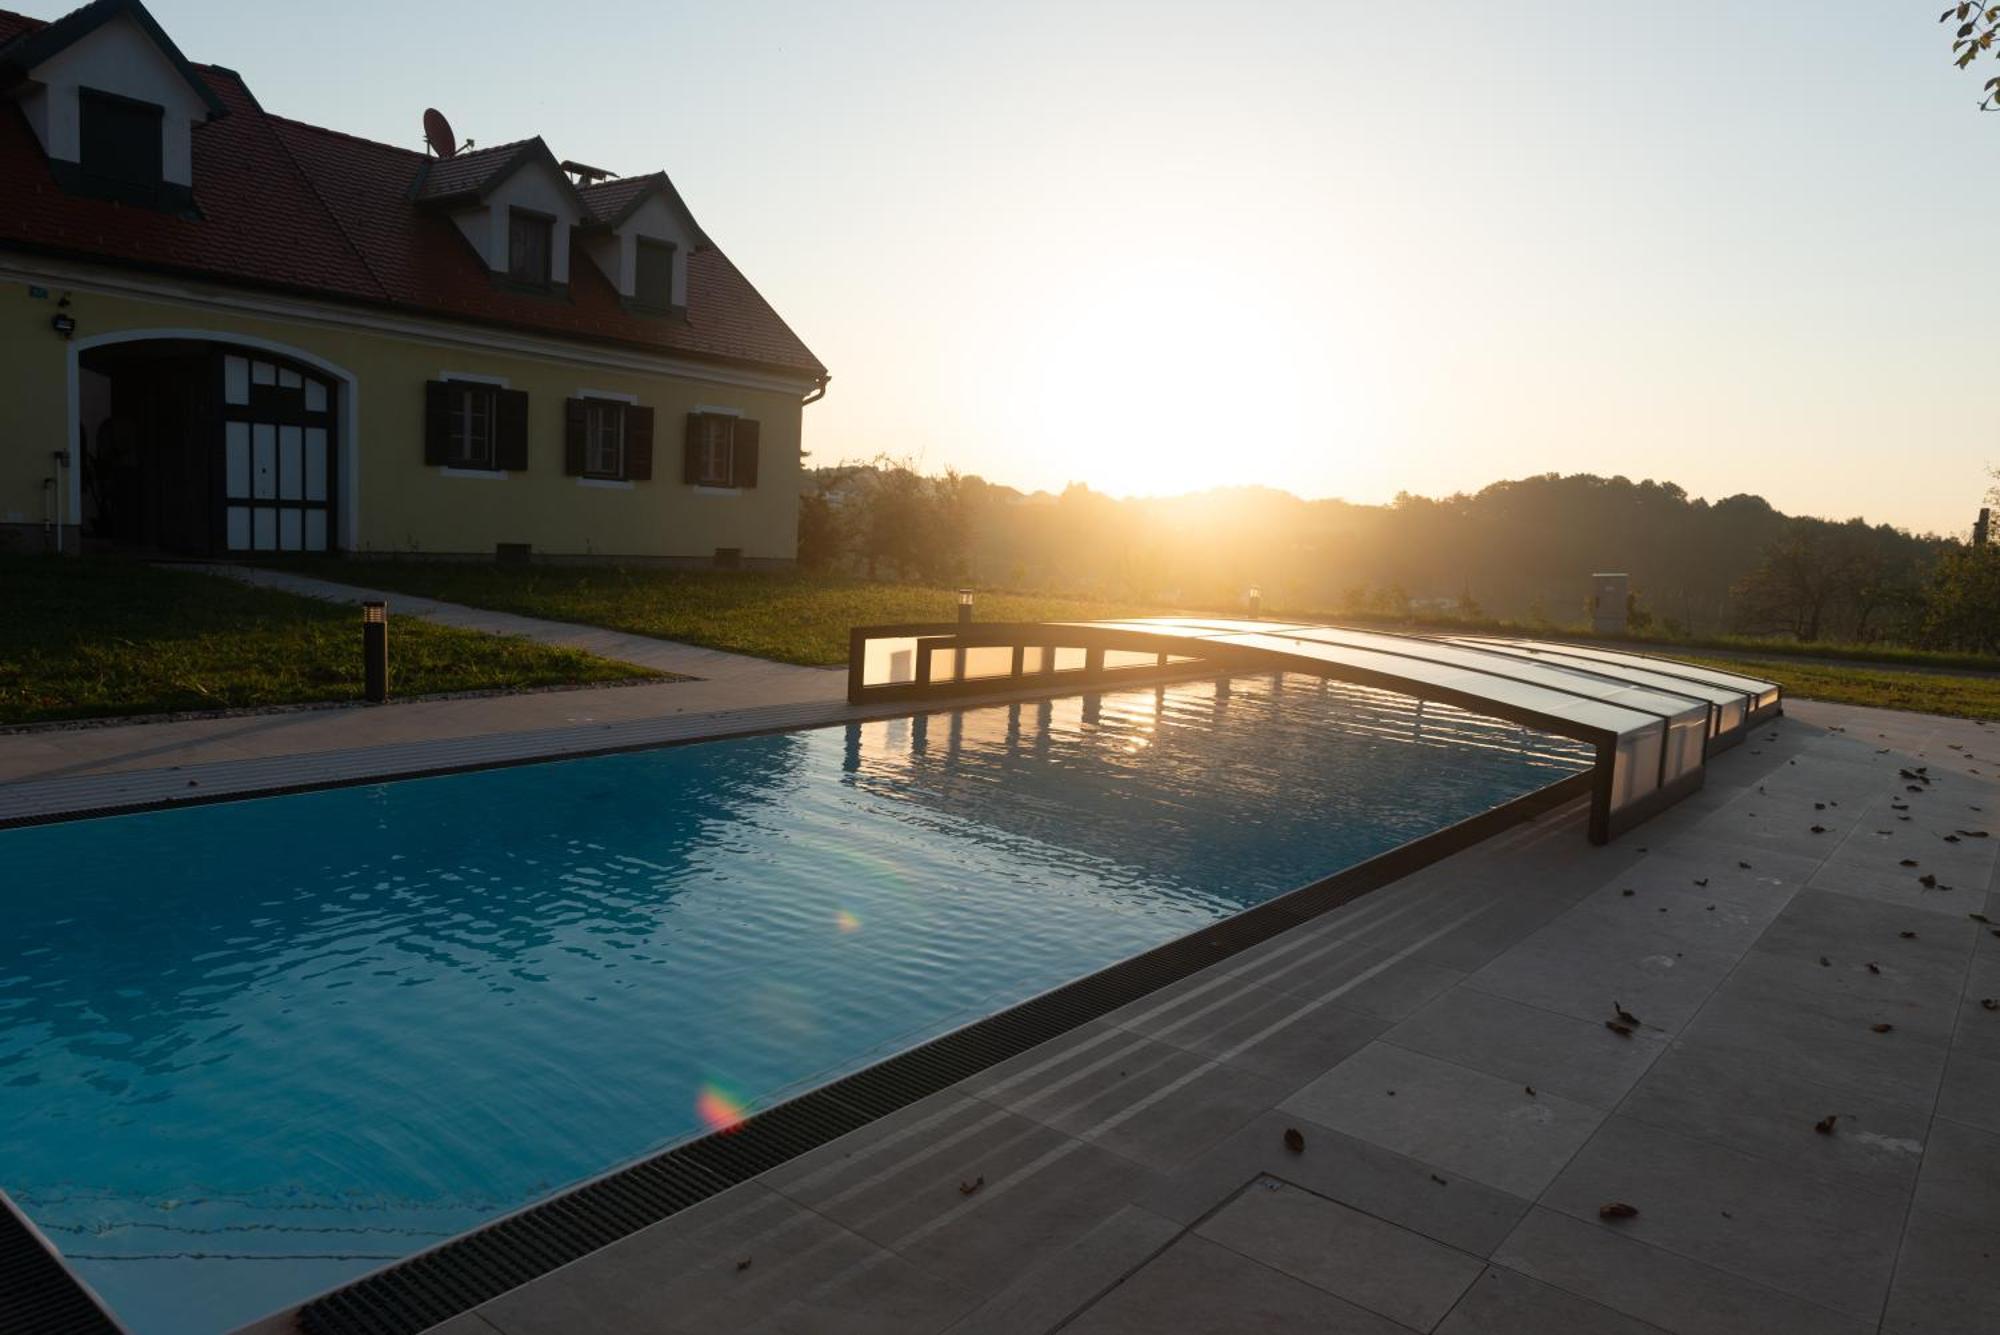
{"points": [[744, 474], [510, 430], [576, 431], [638, 443], [691, 452], [437, 422]]}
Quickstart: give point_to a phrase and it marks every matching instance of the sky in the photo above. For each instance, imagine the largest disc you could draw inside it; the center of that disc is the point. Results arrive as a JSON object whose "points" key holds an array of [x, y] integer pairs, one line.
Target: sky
{"points": [[1343, 248]]}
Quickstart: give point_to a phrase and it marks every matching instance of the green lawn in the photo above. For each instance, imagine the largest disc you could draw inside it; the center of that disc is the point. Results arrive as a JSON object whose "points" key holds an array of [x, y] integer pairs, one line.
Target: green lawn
{"points": [[793, 618], [1881, 687], [97, 636], [799, 618]]}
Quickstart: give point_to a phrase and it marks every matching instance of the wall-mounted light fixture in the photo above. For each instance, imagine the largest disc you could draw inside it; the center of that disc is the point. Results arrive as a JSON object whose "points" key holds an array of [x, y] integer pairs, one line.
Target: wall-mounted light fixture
{"points": [[63, 323]]}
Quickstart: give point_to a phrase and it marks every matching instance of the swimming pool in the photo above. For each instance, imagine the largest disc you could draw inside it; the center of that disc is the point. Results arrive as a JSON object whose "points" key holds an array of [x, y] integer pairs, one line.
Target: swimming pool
{"points": [[252, 1049]]}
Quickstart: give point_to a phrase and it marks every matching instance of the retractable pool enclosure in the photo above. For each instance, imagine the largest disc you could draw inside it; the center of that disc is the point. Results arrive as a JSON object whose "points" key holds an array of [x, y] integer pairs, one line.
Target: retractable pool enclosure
{"points": [[1653, 721]]}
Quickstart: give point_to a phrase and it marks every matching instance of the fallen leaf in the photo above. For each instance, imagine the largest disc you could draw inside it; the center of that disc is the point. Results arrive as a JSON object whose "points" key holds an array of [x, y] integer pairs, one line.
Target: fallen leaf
{"points": [[1627, 1016], [1626, 893], [1824, 962], [1744, 865], [1927, 881], [1440, 1181], [1874, 968], [1979, 917], [1295, 1140], [967, 1188], [1530, 1089], [1907, 862], [1819, 829], [1623, 1031], [1616, 1210], [743, 1264], [1906, 935], [1987, 1003], [1882, 1027], [1825, 1124], [1703, 881]]}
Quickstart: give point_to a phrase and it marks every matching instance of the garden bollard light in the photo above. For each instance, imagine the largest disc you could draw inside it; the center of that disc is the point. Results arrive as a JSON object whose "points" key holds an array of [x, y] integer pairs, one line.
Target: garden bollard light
{"points": [[375, 651]]}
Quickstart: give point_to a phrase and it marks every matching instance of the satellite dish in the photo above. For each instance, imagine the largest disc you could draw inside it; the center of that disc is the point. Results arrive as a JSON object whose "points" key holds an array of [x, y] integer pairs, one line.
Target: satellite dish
{"points": [[437, 133]]}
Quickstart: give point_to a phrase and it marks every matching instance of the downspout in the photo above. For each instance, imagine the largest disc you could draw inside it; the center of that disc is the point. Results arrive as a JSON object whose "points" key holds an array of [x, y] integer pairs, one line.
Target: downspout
{"points": [[818, 391]]}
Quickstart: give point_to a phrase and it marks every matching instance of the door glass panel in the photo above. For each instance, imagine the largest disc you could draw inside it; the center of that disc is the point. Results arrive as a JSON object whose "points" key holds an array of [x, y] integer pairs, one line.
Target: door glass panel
{"points": [[289, 379], [265, 526], [315, 463], [264, 460], [236, 380], [263, 373], [237, 458], [289, 530], [239, 528], [315, 530], [290, 447], [315, 396]]}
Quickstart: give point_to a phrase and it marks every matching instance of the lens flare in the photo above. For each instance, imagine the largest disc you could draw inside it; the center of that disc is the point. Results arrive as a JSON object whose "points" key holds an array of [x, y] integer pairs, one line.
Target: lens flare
{"points": [[846, 921], [718, 1109]]}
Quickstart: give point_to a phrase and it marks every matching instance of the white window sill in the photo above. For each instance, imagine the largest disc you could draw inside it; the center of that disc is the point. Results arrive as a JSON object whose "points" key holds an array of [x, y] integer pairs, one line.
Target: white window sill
{"points": [[702, 490], [605, 483], [491, 474]]}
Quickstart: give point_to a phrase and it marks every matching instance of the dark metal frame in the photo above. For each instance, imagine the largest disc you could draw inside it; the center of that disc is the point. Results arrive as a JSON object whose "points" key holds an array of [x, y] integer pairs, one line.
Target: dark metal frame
{"points": [[278, 407]]}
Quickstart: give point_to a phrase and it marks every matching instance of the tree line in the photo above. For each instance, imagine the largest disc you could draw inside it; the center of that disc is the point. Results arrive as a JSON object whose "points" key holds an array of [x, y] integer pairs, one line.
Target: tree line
{"points": [[1521, 550]]}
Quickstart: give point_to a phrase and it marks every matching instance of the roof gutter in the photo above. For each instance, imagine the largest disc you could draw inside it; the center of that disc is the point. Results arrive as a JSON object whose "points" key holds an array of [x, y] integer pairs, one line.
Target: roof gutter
{"points": [[818, 390]]}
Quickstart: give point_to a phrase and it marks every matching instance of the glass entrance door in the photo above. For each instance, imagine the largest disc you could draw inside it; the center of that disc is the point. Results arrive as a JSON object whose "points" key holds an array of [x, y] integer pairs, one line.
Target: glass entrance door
{"points": [[277, 445]]}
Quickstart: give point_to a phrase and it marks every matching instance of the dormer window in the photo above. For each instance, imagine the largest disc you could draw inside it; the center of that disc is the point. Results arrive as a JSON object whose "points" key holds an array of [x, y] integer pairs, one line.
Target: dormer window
{"points": [[530, 244], [120, 140], [654, 286]]}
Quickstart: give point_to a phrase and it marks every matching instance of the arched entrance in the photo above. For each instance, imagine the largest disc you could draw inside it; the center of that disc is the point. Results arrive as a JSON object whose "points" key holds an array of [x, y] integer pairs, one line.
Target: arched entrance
{"points": [[197, 446]]}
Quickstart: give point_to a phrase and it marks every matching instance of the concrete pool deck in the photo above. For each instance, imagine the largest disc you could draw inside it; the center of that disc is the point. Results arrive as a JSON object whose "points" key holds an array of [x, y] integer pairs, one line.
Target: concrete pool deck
{"points": [[1464, 1111]]}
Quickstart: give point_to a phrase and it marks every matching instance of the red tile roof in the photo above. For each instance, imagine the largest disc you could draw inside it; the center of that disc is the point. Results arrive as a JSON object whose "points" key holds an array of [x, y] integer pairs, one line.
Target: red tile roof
{"points": [[296, 208]]}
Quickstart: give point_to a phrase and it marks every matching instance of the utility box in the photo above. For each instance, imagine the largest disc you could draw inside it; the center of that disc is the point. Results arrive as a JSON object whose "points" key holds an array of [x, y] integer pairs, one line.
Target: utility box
{"points": [[1609, 596]]}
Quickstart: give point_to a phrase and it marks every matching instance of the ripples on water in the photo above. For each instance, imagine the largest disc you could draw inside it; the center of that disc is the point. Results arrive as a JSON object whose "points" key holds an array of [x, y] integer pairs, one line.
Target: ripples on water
{"points": [[249, 1050]]}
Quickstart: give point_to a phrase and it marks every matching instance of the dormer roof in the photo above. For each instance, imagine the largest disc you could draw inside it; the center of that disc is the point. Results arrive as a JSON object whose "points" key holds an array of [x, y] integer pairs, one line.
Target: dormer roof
{"points": [[468, 178], [612, 202], [21, 54]]}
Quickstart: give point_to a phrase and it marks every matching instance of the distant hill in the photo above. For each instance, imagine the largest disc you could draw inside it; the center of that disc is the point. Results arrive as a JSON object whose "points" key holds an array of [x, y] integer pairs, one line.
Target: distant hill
{"points": [[1520, 549]]}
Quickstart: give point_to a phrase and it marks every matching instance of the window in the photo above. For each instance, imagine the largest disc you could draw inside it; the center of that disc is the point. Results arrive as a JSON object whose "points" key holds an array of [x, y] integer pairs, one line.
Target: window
{"points": [[721, 451], [654, 285], [120, 138], [469, 443], [604, 439], [530, 238], [716, 458]]}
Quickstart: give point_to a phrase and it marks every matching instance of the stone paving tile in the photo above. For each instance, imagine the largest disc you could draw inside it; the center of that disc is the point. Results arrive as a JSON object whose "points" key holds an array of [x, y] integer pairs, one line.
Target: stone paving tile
{"points": [[1559, 1054], [1827, 1243], [1451, 1208], [1260, 1031], [1746, 1105], [1961, 1176], [1483, 1126], [1367, 1261], [1947, 1279], [1151, 1102], [685, 1273], [1970, 1094], [1609, 1266], [1047, 1292], [1504, 1302], [1033, 1191], [1758, 892], [1199, 1288], [1582, 963]]}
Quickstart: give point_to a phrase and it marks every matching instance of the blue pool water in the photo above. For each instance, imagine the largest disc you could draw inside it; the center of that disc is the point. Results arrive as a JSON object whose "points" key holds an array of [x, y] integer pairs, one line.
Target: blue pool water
{"points": [[252, 1049]]}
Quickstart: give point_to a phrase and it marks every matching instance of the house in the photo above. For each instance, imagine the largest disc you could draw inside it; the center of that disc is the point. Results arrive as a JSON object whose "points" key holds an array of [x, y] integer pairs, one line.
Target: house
{"points": [[226, 332]]}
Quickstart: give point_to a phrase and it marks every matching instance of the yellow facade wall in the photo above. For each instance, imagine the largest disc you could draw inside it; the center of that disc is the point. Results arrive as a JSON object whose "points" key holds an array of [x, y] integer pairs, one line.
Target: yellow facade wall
{"points": [[399, 503]]}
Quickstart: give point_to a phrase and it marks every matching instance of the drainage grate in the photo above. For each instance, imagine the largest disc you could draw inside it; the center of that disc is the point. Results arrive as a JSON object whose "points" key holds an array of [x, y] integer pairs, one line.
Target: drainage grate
{"points": [[38, 1294], [458, 1275]]}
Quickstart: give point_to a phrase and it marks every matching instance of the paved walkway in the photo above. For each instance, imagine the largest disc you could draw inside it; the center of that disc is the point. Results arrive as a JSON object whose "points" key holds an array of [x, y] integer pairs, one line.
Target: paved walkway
{"points": [[1442, 1047], [52, 770]]}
